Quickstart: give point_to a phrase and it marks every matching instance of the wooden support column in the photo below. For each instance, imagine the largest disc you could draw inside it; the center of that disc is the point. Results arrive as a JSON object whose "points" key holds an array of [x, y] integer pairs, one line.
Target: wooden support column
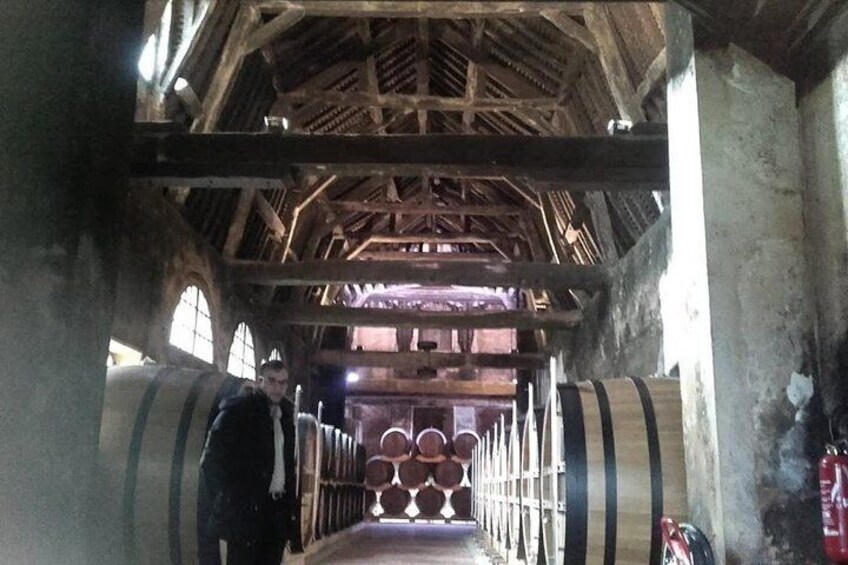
{"points": [[422, 66], [68, 95], [368, 73], [475, 80]]}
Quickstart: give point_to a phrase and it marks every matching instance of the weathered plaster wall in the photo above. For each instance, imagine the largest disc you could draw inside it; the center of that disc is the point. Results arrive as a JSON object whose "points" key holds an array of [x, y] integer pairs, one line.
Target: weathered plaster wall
{"points": [[742, 324], [159, 256], [824, 131], [622, 332]]}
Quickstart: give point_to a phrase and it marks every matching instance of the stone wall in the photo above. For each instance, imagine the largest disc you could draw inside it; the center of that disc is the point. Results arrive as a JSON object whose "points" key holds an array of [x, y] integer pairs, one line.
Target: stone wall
{"points": [[622, 331]]}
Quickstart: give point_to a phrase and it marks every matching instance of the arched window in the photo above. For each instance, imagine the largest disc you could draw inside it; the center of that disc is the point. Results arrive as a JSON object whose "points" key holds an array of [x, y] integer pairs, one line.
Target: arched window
{"points": [[242, 361], [191, 328], [275, 355]]}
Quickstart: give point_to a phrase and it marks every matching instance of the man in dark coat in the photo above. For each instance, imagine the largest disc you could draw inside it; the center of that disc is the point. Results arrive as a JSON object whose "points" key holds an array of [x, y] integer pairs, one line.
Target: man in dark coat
{"points": [[248, 467]]}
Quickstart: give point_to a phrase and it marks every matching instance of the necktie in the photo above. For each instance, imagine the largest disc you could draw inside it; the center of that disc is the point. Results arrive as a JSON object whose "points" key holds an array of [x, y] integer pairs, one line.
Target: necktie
{"points": [[278, 479]]}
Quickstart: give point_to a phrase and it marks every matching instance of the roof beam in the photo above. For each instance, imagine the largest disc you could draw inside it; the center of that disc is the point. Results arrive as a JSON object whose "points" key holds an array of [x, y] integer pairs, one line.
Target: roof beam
{"points": [[436, 359], [312, 315], [486, 210], [273, 29], [420, 102], [420, 256], [418, 388], [438, 273], [576, 34], [424, 9], [261, 160]]}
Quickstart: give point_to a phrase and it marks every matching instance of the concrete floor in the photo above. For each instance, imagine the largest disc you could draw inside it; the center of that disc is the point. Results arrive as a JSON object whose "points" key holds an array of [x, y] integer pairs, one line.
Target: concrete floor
{"points": [[422, 544]]}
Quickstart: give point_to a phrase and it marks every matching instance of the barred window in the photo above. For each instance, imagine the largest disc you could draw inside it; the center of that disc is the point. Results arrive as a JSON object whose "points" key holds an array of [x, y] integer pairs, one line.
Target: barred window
{"points": [[242, 361], [191, 327]]}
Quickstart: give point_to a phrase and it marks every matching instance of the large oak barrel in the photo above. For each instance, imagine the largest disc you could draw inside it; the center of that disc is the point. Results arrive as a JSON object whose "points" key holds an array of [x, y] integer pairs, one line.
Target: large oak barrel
{"points": [[413, 473], [379, 473], [613, 465], [395, 444], [464, 443], [431, 443], [307, 481], [154, 426], [430, 501], [328, 451], [513, 488], [461, 502], [448, 474], [394, 501], [531, 485]]}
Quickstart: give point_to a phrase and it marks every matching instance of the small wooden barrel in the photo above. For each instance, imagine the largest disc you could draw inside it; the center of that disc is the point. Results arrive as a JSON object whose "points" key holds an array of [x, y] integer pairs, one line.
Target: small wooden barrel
{"points": [[461, 502], [613, 462], [413, 473], [395, 444], [360, 463], [448, 474], [531, 486], [430, 501], [464, 443], [379, 473], [339, 448], [394, 501], [431, 443]]}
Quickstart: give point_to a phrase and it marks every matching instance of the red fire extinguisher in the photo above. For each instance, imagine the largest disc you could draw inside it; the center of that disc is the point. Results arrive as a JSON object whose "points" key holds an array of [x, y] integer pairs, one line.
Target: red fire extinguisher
{"points": [[833, 488]]}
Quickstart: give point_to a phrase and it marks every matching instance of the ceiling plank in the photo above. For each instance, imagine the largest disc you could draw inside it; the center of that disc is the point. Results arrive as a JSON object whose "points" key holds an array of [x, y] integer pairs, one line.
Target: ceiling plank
{"points": [[499, 274], [312, 315], [226, 160]]}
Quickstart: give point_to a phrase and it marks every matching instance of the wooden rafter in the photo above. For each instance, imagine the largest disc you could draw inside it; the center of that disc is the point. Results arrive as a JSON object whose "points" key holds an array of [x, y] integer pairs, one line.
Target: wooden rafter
{"points": [[308, 315], [436, 359], [522, 275]]}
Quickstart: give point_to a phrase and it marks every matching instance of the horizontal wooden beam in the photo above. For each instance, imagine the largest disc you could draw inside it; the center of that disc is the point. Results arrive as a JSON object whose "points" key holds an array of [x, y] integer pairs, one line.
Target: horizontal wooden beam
{"points": [[437, 359], [435, 273], [490, 210], [312, 315], [423, 9], [418, 388], [448, 257], [356, 99], [231, 159], [433, 238]]}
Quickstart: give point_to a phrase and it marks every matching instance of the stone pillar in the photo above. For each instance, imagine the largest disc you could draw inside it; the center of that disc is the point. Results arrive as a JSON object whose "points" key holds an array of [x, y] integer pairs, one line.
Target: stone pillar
{"points": [[67, 94], [739, 268]]}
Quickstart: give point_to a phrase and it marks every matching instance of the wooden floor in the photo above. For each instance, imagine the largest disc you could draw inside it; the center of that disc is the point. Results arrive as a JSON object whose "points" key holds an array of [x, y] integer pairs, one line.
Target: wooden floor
{"points": [[421, 544]]}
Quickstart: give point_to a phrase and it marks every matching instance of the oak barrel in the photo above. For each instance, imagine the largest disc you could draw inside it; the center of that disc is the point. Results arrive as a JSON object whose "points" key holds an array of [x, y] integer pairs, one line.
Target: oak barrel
{"points": [[395, 444], [431, 443], [413, 473], [530, 486], [430, 501], [448, 474], [461, 502], [464, 443], [513, 477], [394, 500], [307, 482], [379, 473], [613, 465]]}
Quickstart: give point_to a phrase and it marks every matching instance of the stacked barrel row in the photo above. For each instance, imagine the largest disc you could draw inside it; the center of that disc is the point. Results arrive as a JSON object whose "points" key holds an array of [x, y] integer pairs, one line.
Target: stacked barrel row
{"points": [[586, 478], [155, 421], [342, 493], [424, 478]]}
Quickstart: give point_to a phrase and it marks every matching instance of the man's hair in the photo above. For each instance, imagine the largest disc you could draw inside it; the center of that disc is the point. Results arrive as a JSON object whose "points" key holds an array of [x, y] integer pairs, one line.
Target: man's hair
{"points": [[271, 367]]}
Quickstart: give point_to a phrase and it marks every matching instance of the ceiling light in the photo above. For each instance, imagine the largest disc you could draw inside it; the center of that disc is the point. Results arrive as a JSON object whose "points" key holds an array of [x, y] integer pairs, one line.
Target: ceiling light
{"points": [[353, 377]]}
